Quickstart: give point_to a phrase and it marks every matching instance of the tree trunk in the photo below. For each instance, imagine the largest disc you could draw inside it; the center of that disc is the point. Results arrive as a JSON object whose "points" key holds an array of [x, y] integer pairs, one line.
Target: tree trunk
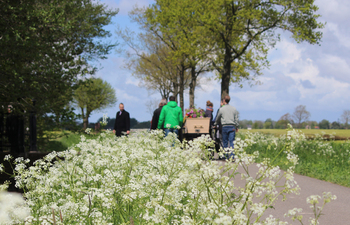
{"points": [[86, 119], [57, 120], [182, 86], [164, 93], [226, 75], [192, 85], [85, 122], [176, 90]]}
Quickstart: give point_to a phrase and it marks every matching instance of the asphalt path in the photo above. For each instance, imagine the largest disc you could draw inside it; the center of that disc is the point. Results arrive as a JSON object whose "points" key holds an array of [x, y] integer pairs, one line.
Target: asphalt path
{"points": [[336, 212]]}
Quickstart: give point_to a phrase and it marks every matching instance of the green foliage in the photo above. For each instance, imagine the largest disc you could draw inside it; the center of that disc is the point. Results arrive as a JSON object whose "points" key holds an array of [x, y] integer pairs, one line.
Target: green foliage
{"points": [[133, 122], [173, 23], [234, 35], [151, 62], [44, 47], [243, 124], [324, 124], [143, 125], [258, 124], [93, 94], [267, 125], [281, 124], [335, 125]]}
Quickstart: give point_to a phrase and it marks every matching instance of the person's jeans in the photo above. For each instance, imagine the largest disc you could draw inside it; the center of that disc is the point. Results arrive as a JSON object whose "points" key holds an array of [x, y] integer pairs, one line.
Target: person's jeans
{"points": [[228, 136], [172, 130]]}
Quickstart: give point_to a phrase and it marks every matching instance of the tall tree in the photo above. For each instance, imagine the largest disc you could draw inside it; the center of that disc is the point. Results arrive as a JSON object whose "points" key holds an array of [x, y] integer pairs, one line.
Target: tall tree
{"points": [[301, 114], [171, 22], [198, 67], [284, 121], [324, 124], [242, 31], [151, 105], [345, 117], [46, 45], [91, 95], [149, 59]]}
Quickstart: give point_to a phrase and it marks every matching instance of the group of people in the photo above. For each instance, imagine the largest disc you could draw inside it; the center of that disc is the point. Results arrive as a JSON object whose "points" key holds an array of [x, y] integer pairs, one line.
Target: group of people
{"points": [[169, 117]]}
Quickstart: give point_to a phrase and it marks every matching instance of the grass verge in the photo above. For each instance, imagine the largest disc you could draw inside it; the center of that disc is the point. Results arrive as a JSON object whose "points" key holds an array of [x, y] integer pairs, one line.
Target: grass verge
{"points": [[61, 141], [324, 160], [310, 133]]}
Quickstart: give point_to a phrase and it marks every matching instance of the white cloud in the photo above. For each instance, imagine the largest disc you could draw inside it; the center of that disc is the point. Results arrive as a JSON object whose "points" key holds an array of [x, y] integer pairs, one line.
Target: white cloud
{"points": [[208, 85], [123, 95], [307, 71], [338, 10], [287, 53], [249, 99], [340, 35], [335, 66], [132, 81]]}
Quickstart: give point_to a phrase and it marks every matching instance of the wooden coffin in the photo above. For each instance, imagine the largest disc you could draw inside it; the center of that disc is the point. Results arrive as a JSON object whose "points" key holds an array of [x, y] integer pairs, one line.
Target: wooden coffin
{"points": [[197, 125]]}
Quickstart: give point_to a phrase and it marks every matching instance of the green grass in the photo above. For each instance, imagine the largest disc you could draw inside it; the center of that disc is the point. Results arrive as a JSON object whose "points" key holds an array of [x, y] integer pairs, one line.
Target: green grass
{"points": [[324, 160], [340, 134], [61, 141], [332, 168]]}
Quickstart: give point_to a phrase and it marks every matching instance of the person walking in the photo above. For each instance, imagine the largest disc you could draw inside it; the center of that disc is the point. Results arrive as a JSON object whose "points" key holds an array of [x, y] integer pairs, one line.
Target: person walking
{"points": [[228, 117], [156, 114], [171, 117], [218, 129], [122, 122], [209, 112]]}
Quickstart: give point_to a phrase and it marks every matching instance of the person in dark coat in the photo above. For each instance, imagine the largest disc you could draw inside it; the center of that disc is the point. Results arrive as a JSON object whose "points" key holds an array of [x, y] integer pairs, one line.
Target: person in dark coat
{"points": [[209, 112], [218, 129], [15, 131], [122, 122], [156, 113]]}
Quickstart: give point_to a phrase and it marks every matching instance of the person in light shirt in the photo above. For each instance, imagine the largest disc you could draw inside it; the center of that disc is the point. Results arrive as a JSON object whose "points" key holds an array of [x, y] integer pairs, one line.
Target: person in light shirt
{"points": [[228, 118]]}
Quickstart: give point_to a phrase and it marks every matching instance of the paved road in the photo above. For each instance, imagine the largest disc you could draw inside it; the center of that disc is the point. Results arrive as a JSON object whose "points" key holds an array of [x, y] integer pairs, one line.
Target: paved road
{"points": [[336, 212]]}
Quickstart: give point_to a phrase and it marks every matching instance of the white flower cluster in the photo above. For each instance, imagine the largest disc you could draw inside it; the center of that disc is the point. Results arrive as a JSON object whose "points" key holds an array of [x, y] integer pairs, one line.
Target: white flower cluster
{"points": [[88, 130], [13, 209], [313, 200], [147, 178]]}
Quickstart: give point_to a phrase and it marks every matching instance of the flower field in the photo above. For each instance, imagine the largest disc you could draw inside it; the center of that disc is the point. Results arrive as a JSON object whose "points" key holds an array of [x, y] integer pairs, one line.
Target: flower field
{"points": [[142, 179]]}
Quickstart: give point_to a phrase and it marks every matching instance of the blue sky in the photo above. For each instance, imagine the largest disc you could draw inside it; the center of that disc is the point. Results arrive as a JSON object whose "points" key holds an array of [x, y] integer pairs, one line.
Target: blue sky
{"points": [[300, 74]]}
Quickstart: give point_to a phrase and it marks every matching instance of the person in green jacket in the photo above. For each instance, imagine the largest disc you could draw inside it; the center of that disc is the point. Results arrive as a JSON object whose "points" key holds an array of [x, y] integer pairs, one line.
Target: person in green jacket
{"points": [[171, 117]]}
